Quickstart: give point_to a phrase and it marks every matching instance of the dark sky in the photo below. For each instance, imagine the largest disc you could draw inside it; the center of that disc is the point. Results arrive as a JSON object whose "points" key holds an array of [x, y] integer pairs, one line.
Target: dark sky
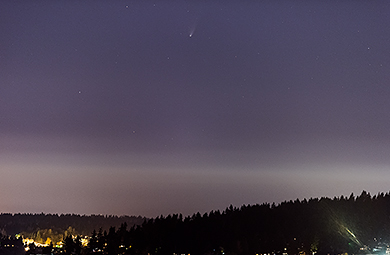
{"points": [[149, 108]]}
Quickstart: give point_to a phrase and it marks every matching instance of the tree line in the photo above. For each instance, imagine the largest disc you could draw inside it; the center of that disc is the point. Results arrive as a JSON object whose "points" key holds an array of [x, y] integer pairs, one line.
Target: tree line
{"points": [[30, 224], [316, 226]]}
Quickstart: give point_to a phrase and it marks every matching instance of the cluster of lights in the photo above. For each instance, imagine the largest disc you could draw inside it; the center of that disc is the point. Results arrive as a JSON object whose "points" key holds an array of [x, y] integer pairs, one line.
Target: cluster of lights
{"points": [[84, 242], [28, 241]]}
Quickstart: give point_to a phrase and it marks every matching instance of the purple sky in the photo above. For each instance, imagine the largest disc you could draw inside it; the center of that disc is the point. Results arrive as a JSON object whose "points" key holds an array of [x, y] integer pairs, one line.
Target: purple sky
{"points": [[149, 108]]}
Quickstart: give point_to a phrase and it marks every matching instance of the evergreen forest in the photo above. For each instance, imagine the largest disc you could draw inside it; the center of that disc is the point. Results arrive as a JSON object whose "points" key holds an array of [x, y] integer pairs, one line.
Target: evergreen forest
{"points": [[353, 225]]}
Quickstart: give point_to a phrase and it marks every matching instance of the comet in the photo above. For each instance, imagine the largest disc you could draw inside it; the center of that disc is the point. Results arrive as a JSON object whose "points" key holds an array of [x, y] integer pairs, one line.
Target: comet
{"points": [[192, 30]]}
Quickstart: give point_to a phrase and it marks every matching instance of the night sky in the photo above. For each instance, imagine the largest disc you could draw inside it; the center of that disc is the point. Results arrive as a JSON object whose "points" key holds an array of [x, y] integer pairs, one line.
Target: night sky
{"points": [[149, 108]]}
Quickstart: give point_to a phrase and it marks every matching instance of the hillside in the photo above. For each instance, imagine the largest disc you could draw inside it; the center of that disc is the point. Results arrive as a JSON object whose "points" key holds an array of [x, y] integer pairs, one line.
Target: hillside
{"points": [[321, 225]]}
